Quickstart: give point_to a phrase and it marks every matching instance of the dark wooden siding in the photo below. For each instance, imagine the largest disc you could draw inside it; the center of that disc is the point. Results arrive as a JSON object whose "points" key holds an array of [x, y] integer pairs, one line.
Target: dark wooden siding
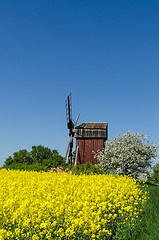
{"points": [[86, 146]]}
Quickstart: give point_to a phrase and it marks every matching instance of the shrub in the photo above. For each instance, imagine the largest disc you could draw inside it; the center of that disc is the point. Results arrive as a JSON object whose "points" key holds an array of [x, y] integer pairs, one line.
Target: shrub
{"points": [[54, 161], [155, 175], [86, 169], [27, 167]]}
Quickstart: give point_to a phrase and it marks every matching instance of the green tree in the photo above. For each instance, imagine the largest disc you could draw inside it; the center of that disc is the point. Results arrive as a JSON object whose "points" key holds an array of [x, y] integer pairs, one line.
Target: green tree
{"points": [[130, 154], [38, 153], [40, 158], [22, 156], [8, 161]]}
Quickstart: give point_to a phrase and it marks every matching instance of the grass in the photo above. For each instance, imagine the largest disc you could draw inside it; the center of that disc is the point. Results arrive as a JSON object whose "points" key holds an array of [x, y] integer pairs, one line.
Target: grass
{"points": [[148, 228]]}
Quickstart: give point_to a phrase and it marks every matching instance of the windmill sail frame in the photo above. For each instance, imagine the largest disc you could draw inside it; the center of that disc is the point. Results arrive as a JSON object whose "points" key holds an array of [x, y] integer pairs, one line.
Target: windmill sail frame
{"points": [[71, 126]]}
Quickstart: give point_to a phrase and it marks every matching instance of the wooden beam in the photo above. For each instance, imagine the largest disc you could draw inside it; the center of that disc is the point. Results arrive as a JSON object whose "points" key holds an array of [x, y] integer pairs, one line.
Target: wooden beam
{"points": [[76, 156]]}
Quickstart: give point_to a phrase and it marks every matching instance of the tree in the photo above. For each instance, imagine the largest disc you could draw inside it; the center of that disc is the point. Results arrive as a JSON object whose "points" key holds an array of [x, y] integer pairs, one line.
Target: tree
{"points": [[22, 156], [130, 154], [40, 158], [38, 153], [8, 161]]}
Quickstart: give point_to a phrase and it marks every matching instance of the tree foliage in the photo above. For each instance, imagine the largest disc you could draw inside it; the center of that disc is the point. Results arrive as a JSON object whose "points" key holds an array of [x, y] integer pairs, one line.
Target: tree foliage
{"points": [[22, 156], [39, 158], [38, 153], [130, 154]]}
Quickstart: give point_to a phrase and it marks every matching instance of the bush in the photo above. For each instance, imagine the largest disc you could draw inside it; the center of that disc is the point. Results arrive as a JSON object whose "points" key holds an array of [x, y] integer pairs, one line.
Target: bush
{"points": [[155, 175], [55, 161], [25, 166], [86, 169], [130, 154]]}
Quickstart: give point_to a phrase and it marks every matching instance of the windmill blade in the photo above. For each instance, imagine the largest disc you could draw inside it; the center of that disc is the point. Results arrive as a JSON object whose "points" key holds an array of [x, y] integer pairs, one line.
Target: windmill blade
{"points": [[71, 126], [68, 102], [71, 138]]}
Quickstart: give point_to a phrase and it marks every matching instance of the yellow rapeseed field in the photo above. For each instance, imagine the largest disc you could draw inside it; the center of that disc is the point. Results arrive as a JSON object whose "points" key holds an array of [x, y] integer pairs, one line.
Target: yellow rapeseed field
{"points": [[46, 205]]}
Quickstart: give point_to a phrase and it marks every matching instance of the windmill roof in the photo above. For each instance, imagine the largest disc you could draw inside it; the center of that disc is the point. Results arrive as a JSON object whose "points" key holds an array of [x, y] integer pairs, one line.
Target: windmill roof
{"points": [[94, 125]]}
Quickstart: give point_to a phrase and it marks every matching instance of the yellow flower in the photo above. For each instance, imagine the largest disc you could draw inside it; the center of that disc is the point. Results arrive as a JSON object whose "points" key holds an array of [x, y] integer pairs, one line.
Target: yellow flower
{"points": [[44, 205], [35, 237]]}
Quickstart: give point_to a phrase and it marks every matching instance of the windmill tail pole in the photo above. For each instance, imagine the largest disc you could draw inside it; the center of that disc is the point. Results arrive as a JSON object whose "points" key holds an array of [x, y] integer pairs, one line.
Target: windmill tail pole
{"points": [[67, 150], [76, 122], [71, 139]]}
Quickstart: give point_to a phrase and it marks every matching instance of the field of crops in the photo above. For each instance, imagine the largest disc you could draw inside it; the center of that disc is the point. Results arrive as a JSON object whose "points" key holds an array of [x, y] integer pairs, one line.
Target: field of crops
{"points": [[46, 205]]}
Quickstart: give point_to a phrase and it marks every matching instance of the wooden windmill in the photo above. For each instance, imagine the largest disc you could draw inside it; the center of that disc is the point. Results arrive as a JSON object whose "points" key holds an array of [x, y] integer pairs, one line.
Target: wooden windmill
{"points": [[71, 126]]}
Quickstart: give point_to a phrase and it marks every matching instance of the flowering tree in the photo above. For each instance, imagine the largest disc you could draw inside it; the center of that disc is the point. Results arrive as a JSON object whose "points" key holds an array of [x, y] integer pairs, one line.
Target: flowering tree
{"points": [[130, 154]]}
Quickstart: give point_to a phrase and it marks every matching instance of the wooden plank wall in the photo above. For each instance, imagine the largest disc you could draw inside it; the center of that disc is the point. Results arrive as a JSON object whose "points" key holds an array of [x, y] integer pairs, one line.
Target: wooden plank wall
{"points": [[86, 146]]}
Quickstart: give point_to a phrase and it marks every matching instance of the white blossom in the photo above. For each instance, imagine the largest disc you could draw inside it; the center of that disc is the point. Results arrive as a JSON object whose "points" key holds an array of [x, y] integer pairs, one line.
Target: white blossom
{"points": [[130, 154]]}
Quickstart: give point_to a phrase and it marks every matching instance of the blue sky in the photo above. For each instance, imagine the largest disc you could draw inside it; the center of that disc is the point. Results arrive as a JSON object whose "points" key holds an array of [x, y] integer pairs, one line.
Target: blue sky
{"points": [[105, 52]]}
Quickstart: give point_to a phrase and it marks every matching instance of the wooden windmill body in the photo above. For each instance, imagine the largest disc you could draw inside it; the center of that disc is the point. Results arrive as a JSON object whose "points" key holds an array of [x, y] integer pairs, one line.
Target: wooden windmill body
{"points": [[90, 137]]}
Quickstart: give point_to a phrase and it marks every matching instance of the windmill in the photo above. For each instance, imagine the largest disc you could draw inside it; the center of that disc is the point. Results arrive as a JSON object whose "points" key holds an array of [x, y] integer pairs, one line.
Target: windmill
{"points": [[71, 126]]}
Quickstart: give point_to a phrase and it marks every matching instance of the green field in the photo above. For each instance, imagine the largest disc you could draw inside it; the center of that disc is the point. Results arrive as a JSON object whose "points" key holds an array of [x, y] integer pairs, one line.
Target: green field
{"points": [[148, 228]]}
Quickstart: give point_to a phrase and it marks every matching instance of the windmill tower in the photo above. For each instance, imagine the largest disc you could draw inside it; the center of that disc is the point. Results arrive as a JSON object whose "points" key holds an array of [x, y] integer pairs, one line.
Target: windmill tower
{"points": [[71, 126], [90, 137]]}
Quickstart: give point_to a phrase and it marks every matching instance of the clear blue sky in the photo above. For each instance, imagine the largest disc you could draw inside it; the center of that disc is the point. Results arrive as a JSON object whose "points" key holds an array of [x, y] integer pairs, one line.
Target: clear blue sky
{"points": [[105, 52]]}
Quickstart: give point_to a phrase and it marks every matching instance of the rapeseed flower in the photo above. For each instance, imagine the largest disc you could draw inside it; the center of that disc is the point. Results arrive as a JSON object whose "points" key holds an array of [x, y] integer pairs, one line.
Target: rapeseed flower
{"points": [[36, 205]]}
